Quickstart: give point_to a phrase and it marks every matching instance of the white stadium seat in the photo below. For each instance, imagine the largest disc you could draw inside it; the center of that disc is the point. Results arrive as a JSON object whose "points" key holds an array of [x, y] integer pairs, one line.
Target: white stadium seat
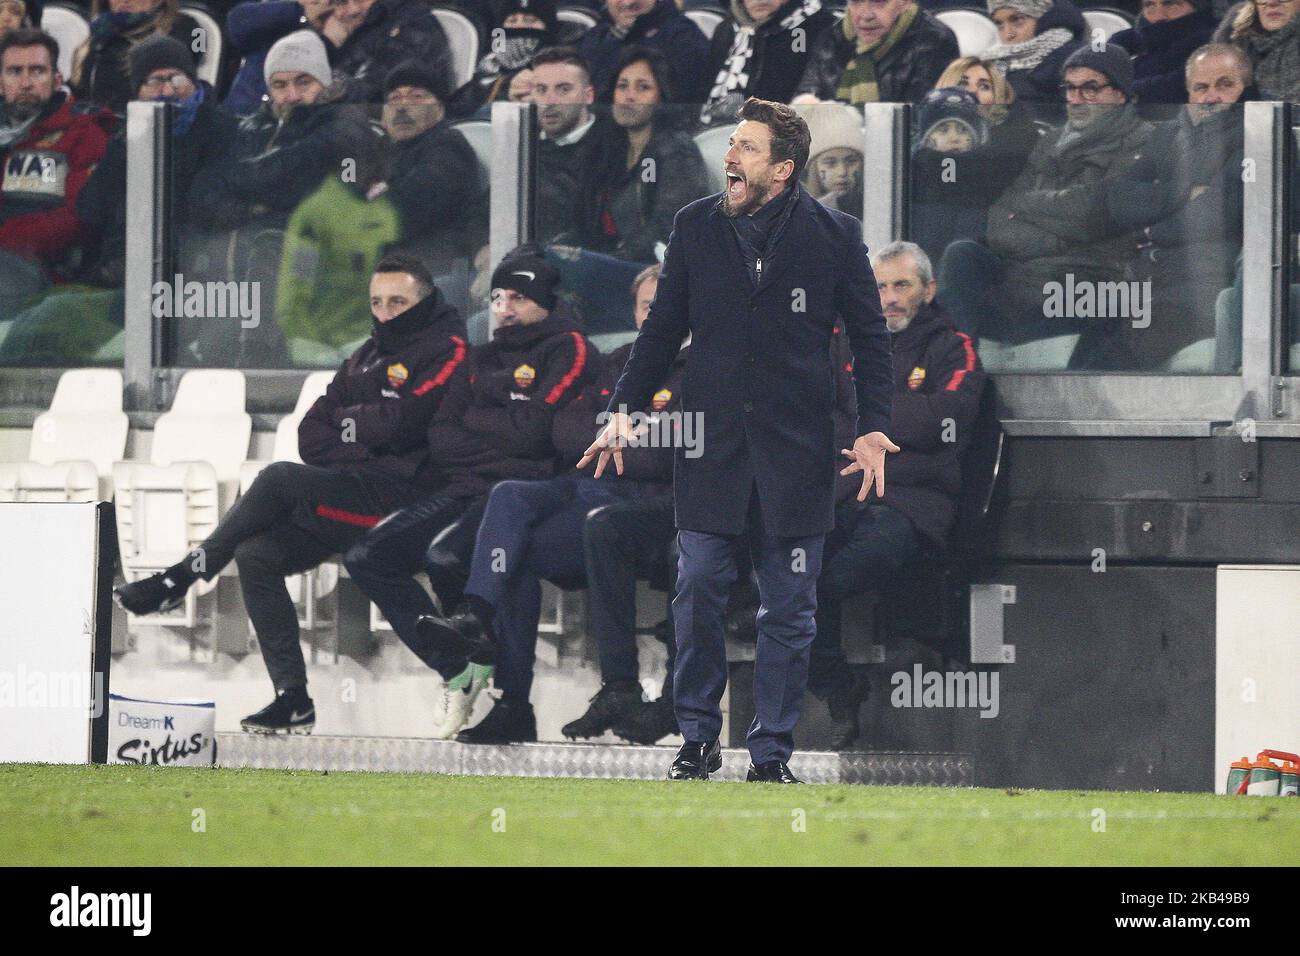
{"points": [[584, 18], [479, 135], [168, 505], [210, 68], [462, 39], [1039, 355], [975, 31], [74, 444], [707, 20], [70, 29], [1109, 22], [712, 144]]}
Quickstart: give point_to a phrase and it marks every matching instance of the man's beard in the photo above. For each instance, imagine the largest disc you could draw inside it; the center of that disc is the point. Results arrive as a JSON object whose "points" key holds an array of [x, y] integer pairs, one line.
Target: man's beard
{"points": [[24, 109], [755, 195]]}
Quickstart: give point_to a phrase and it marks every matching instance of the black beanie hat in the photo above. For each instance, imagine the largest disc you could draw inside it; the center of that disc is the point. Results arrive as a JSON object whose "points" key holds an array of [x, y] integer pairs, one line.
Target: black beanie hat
{"points": [[543, 9], [156, 52], [1112, 60], [531, 277], [416, 73]]}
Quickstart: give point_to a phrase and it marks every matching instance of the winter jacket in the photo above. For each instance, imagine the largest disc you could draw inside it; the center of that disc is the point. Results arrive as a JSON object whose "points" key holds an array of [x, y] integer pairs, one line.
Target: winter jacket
{"points": [[577, 424], [762, 60], [905, 74], [374, 417], [1160, 53], [568, 176], [252, 29], [100, 71], [44, 171], [666, 29], [393, 31], [496, 421], [1276, 55], [1041, 85], [1052, 220], [436, 186], [937, 386], [632, 211]]}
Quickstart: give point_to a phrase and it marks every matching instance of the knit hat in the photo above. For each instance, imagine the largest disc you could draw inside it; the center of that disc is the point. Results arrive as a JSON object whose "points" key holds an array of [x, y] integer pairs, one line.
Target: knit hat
{"points": [[300, 52], [952, 103], [832, 126], [531, 277], [1112, 60], [543, 9], [1030, 8], [158, 51], [416, 73]]}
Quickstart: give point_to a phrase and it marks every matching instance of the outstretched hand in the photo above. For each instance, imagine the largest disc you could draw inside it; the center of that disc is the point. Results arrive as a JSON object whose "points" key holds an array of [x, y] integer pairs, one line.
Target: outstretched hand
{"points": [[611, 441], [868, 456]]}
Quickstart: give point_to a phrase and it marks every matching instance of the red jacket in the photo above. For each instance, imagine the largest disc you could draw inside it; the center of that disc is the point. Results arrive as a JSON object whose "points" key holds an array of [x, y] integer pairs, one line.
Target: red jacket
{"points": [[43, 173]]}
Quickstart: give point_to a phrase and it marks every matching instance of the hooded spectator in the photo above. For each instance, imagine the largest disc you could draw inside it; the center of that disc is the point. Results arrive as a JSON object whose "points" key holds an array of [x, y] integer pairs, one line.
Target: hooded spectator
{"points": [[101, 68], [1036, 37], [524, 27], [890, 53], [655, 23], [834, 172], [1165, 35], [755, 53], [252, 29], [371, 36], [1269, 33]]}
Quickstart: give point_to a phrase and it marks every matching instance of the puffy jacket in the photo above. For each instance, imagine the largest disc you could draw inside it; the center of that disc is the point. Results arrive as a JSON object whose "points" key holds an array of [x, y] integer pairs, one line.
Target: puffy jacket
{"points": [[496, 421], [666, 29], [37, 200], [393, 31], [100, 74], [1160, 53], [374, 417], [577, 423], [252, 29], [937, 382], [436, 186], [1052, 219], [905, 74], [1042, 83]]}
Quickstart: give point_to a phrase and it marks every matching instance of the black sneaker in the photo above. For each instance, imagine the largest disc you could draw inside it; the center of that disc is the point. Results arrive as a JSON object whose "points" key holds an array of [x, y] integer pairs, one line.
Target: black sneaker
{"points": [[152, 595], [505, 723], [463, 634], [613, 703], [289, 713], [650, 723]]}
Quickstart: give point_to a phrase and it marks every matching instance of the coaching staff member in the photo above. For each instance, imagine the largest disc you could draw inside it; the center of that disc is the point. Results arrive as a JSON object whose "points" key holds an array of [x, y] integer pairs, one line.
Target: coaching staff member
{"points": [[757, 276]]}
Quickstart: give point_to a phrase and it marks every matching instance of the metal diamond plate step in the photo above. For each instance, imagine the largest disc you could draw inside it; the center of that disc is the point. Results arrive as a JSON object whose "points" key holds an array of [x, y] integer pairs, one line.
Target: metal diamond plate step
{"points": [[600, 761]]}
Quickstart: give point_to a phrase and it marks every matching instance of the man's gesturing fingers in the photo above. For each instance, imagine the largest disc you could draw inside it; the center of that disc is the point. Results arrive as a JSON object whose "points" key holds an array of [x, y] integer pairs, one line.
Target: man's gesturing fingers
{"points": [[609, 443], [868, 457]]}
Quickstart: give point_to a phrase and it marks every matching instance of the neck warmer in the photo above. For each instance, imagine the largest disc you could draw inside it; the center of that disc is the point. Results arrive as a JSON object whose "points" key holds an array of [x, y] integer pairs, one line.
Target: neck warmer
{"points": [[1276, 57], [188, 109], [1015, 57], [859, 83], [107, 25], [392, 335]]}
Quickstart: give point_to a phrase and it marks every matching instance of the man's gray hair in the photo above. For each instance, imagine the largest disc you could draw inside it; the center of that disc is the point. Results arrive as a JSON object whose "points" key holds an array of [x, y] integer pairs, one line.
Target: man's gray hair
{"points": [[900, 248], [1235, 53]]}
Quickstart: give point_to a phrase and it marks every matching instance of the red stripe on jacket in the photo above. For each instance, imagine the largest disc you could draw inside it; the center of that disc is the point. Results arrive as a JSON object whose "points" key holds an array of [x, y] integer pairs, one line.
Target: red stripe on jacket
{"points": [[445, 372], [572, 374], [348, 517], [954, 383]]}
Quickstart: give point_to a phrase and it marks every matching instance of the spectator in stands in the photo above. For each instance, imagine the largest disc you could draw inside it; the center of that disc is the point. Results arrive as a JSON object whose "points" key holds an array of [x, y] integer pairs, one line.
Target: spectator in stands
{"points": [[884, 51], [524, 28], [521, 86], [533, 530], [834, 172], [494, 426], [655, 23], [372, 36], [1185, 194], [100, 68], [1165, 35], [937, 386], [952, 189], [49, 144], [434, 180], [1269, 33], [252, 29], [71, 325], [574, 145], [362, 443], [13, 16], [758, 53], [1037, 37], [1050, 222]]}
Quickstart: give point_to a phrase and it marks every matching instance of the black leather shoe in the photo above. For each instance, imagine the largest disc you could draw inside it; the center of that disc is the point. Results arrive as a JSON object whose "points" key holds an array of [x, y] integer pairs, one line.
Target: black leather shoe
{"points": [[696, 760], [505, 723], [461, 635], [771, 771]]}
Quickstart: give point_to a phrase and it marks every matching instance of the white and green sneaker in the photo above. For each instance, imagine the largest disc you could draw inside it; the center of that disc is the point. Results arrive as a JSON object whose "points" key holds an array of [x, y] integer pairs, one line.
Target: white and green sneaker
{"points": [[458, 696]]}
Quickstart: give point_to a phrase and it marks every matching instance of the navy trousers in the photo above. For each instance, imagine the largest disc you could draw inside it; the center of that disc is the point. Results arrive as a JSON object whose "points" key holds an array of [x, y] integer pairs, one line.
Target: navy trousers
{"points": [[787, 570], [532, 530]]}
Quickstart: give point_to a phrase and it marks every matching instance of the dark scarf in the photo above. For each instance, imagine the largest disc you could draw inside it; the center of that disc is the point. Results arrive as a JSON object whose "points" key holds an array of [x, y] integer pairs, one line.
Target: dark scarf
{"points": [[395, 334], [735, 77]]}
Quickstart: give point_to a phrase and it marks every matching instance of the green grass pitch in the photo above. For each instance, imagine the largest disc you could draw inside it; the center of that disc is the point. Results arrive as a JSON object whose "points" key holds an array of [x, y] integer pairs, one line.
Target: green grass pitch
{"points": [[120, 815]]}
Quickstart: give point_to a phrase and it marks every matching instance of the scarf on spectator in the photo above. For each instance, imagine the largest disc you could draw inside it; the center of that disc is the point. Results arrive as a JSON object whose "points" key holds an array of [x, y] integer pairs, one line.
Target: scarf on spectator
{"points": [[859, 83], [726, 95], [511, 52], [1015, 57], [14, 129], [109, 24], [1276, 57], [188, 108]]}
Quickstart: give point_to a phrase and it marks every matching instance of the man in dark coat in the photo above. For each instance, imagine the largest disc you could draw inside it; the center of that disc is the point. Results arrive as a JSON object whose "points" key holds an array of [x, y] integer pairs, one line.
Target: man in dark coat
{"points": [[1161, 41], [373, 36], [361, 444], [878, 54], [654, 23], [252, 28], [758, 276]]}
